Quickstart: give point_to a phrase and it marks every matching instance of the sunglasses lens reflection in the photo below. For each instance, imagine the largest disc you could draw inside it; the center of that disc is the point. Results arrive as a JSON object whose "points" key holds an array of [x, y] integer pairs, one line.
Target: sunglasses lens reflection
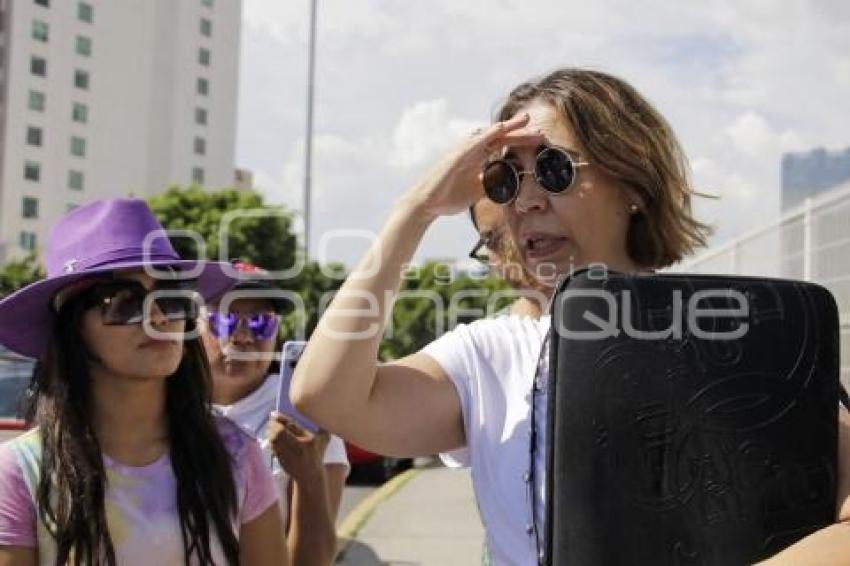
{"points": [[264, 326], [500, 182], [222, 325], [126, 307], [178, 308], [554, 170], [225, 325]]}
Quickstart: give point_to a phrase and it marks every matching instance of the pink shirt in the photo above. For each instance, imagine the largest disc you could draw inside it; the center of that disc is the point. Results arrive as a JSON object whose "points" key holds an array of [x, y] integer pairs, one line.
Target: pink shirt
{"points": [[141, 506]]}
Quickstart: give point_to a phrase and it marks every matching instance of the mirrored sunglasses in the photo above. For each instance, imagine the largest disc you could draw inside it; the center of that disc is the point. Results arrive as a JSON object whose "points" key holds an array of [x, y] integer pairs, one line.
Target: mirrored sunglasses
{"points": [[554, 170], [263, 326]]}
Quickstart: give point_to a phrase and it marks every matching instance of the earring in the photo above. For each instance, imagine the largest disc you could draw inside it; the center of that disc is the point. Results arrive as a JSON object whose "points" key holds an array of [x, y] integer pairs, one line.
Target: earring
{"points": [[633, 208]]}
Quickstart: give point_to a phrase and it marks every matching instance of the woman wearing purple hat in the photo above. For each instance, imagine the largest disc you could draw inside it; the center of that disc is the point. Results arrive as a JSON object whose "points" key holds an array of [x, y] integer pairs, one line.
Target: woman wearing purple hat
{"points": [[127, 463]]}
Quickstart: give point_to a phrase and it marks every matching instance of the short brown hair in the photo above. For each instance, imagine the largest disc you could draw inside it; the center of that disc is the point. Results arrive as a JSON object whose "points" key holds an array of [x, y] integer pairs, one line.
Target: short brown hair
{"points": [[632, 142]]}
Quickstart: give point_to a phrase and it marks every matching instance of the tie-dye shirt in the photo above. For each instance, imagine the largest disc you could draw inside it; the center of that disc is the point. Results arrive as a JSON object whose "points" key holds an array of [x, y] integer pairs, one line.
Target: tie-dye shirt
{"points": [[141, 504]]}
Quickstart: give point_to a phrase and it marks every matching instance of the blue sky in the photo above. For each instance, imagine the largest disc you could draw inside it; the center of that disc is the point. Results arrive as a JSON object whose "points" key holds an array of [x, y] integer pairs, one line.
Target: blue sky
{"points": [[398, 82]]}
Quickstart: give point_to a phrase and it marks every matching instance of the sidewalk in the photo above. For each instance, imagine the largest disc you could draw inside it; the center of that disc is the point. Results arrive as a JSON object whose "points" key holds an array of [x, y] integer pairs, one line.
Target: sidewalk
{"points": [[430, 519]]}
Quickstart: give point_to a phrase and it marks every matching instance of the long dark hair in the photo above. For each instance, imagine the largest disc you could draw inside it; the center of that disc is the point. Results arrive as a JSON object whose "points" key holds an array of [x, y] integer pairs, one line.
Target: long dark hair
{"points": [[72, 484]]}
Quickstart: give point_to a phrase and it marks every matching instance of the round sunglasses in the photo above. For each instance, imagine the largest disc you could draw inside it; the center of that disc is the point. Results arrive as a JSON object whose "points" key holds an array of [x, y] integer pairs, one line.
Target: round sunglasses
{"points": [[263, 326], [554, 170]]}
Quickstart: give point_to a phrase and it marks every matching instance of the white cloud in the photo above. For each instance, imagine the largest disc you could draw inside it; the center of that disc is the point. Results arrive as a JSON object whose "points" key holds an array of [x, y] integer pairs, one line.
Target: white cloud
{"points": [[424, 131], [703, 167], [842, 71], [399, 82], [755, 137], [751, 134], [286, 22], [739, 191]]}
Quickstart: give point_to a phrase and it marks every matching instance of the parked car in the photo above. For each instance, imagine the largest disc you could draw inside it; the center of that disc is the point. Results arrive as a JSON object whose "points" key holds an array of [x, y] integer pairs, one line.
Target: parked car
{"points": [[15, 374], [10, 428], [371, 467]]}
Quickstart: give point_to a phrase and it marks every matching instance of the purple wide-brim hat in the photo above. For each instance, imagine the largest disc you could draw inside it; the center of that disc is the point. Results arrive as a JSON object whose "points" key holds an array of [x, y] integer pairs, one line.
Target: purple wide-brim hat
{"points": [[95, 239]]}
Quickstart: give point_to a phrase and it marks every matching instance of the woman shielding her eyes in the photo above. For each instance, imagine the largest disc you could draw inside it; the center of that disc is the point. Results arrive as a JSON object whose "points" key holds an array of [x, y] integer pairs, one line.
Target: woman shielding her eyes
{"points": [[587, 173]]}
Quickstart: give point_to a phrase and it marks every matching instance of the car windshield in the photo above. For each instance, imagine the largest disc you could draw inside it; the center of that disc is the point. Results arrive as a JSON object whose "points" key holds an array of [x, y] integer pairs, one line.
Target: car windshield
{"points": [[15, 374]]}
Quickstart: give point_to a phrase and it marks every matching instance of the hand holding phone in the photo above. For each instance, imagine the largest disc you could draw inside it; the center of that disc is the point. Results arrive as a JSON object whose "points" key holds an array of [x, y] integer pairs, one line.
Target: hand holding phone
{"points": [[292, 350]]}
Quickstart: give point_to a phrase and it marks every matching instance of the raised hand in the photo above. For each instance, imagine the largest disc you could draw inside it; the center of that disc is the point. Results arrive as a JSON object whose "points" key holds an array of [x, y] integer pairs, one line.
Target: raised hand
{"points": [[454, 183]]}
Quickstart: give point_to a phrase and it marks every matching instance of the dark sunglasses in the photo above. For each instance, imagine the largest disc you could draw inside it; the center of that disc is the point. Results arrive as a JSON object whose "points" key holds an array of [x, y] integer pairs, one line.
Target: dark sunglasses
{"points": [[554, 170], [487, 243], [124, 302], [263, 326]]}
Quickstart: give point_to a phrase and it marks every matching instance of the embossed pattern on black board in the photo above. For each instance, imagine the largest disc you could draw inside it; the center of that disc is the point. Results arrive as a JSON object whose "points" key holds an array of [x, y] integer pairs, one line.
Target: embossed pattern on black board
{"points": [[684, 449]]}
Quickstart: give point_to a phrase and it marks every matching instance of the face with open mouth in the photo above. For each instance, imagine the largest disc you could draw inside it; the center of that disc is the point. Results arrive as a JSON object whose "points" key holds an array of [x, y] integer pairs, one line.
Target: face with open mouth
{"points": [[585, 224]]}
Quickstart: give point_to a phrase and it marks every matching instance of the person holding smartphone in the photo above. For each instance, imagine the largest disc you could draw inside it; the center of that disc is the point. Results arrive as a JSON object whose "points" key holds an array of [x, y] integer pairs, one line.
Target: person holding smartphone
{"points": [[126, 463], [240, 333]]}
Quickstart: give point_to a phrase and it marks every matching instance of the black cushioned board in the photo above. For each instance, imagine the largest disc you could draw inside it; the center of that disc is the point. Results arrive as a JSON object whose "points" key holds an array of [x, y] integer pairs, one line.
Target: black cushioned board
{"points": [[689, 450]]}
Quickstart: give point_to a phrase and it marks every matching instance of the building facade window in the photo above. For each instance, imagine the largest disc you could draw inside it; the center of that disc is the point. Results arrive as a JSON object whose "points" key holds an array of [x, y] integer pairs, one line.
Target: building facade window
{"points": [[204, 56], [200, 146], [76, 180], [85, 12], [34, 136], [207, 3], [81, 79], [27, 240], [203, 86], [197, 175], [201, 116], [45, 3], [40, 31], [29, 207], [38, 66], [206, 27], [78, 146], [83, 45], [36, 101], [80, 113], [32, 171]]}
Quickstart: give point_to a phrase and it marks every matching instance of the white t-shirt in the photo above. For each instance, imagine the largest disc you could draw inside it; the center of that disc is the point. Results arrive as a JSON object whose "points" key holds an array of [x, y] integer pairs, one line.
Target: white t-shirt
{"points": [[252, 414], [492, 364]]}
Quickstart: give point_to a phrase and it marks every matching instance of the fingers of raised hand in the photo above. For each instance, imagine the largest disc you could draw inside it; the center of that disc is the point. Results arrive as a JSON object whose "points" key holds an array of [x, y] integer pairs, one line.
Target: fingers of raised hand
{"points": [[511, 132], [283, 425]]}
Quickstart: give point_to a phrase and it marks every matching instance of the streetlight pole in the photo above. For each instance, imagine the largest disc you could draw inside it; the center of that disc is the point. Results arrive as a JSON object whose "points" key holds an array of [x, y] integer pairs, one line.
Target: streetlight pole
{"points": [[308, 149]]}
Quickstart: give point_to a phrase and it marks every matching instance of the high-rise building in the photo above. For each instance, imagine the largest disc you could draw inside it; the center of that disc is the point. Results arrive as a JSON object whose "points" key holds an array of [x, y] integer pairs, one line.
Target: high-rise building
{"points": [[805, 175], [101, 98]]}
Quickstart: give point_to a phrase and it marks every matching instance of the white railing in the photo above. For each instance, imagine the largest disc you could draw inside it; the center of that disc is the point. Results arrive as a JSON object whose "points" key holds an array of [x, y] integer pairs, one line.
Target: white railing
{"points": [[811, 243]]}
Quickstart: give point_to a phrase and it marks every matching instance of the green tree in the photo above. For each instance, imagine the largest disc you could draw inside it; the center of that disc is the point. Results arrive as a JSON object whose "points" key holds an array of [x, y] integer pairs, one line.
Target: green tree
{"points": [[19, 273], [314, 284], [432, 296], [432, 299], [262, 234]]}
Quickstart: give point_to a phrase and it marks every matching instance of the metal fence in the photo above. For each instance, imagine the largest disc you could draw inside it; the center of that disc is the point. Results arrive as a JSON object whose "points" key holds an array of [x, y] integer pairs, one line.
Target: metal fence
{"points": [[811, 243]]}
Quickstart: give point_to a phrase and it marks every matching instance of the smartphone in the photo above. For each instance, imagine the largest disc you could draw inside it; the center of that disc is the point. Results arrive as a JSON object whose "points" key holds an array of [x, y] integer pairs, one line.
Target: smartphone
{"points": [[292, 350]]}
